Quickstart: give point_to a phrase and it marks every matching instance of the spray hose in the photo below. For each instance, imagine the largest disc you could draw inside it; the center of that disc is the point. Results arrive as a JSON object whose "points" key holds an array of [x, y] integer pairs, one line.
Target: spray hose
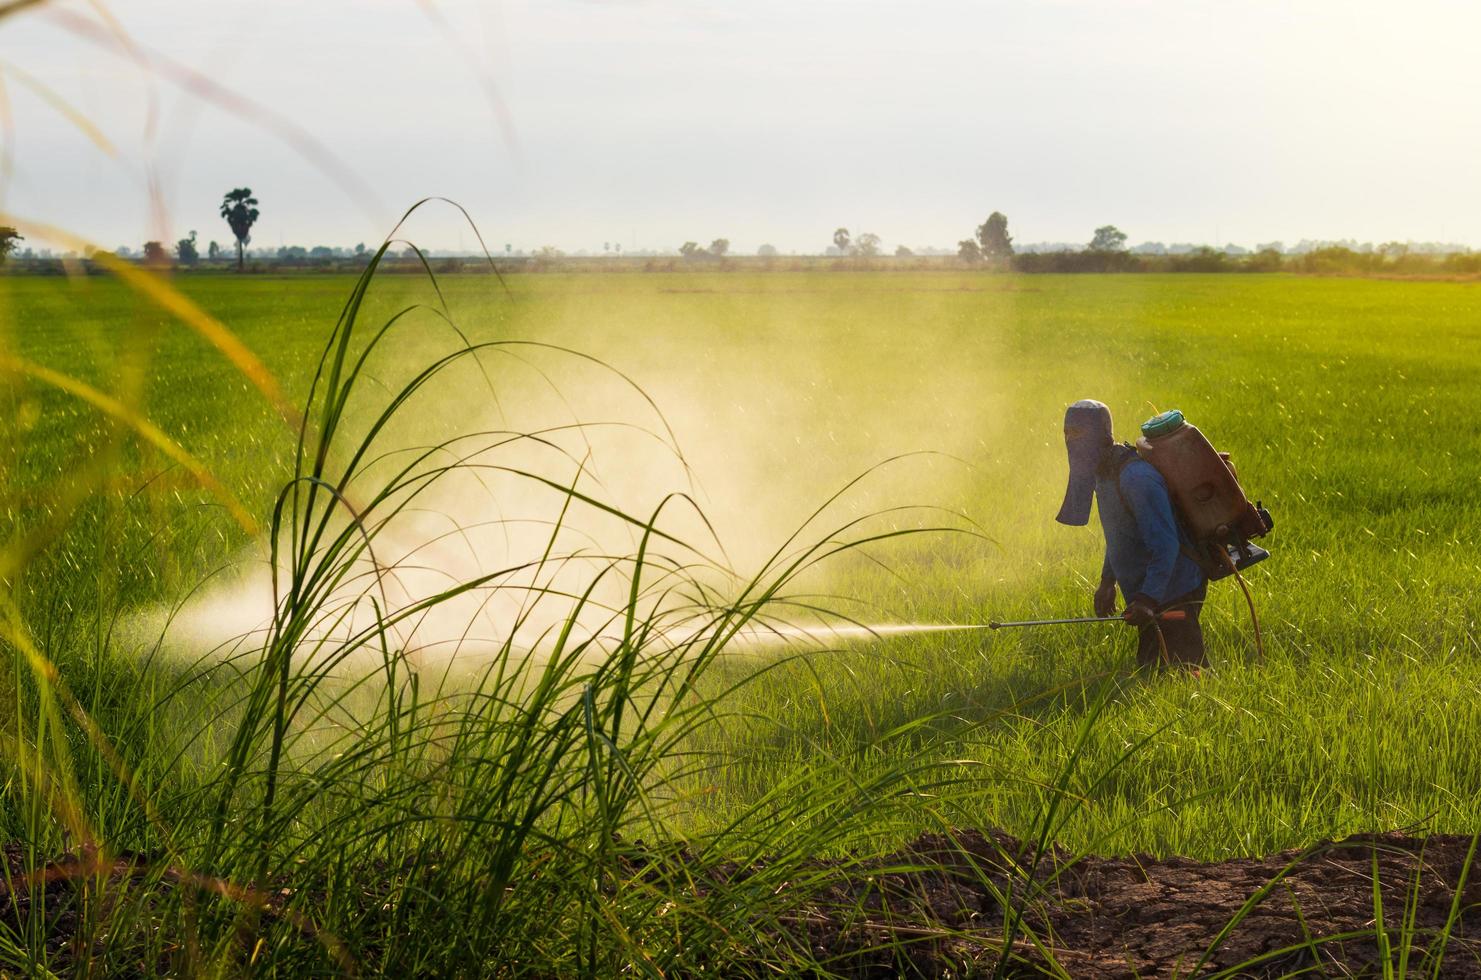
{"points": [[1249, 601]]}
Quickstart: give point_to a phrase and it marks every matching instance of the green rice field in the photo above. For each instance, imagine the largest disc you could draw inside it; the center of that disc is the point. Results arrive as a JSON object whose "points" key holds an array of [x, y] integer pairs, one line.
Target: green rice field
{"points": [[477, 772]]}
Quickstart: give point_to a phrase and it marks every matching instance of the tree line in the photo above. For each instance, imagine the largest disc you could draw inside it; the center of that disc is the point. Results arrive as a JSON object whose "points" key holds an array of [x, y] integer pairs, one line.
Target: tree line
{"points": [[990, 247], [1107, 251]]}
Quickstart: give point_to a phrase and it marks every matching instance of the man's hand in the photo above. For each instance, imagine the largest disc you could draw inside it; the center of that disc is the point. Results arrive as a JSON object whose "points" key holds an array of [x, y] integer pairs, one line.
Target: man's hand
{"points": [[1141, 611], [1105, 599]]}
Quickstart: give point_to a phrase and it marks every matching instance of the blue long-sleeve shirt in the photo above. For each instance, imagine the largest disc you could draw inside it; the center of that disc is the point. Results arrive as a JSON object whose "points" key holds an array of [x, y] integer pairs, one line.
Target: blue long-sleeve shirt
{"points": [[1143, 543]]}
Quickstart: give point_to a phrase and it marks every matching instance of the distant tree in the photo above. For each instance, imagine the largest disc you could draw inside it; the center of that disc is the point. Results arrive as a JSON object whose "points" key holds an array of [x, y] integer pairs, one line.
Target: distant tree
{"points": [[767, 251], [409, 252], [186, 252], [548, 252], [1271, 246], [1394, 250], [124, 252], [239, 208], [1336, 258], [292, 253], [690, 250], [968, 250], [719, 247], [213, 251], [840, 240], [359, 249], [1150, 248], [901, 252], [154, 254], [866, 245], [1108, 238], [993, 238], [321, 252], [10, 240], [617, 248], [1201, 259], [1265, 260], [508, 248]]}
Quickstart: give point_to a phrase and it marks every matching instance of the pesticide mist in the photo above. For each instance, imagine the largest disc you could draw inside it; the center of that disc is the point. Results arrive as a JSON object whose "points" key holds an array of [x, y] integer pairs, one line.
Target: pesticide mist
{"points": [[533, 469]]}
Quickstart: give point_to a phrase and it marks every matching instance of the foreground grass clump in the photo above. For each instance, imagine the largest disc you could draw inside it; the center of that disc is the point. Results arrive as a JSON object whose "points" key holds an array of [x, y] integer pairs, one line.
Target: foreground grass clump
{"points": [[308, 795], [309, 811]]}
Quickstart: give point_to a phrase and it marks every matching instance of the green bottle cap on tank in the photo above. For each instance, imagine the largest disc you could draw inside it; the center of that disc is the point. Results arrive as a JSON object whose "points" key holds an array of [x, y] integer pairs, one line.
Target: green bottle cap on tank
{"points": [[1161, 425]]}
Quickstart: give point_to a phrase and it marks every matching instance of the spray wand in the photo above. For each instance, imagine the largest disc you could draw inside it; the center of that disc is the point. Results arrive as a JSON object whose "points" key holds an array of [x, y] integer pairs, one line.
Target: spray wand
{"points": [[1165, 617], [1175, 614]]}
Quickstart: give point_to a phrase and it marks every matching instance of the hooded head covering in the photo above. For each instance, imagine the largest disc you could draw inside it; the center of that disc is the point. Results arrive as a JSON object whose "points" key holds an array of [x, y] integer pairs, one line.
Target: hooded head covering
{"points": [[1087, 433]]}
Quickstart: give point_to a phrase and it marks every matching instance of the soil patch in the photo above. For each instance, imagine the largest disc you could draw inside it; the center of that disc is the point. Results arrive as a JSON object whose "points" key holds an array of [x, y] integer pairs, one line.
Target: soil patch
{"points": [[938, 908]]}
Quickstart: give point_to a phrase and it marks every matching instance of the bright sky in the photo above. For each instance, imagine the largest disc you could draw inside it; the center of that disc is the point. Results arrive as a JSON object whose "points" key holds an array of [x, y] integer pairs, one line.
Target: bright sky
{"points": [[650, 122]]}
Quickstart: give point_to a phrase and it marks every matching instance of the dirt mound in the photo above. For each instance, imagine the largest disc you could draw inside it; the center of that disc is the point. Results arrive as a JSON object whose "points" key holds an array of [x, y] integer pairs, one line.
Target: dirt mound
{"points": [[939, 908]]}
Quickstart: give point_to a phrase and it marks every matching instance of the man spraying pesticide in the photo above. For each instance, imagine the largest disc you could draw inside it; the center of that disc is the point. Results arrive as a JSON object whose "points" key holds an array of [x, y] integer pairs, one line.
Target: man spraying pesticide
{"points": [[1174, 518]]}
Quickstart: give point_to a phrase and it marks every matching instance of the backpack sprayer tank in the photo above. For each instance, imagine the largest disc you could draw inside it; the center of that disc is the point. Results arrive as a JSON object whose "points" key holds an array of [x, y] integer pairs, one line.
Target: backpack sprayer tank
{"points": [[1218, 517]]}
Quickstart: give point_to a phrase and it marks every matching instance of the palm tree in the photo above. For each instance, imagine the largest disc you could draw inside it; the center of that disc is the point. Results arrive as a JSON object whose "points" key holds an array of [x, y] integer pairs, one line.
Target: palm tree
{"points": [[10, 240], [239, 208]]}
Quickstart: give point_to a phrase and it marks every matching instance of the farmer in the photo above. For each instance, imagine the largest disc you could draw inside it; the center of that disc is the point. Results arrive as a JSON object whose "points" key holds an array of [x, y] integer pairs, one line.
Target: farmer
{"points": [[1144, 553]]}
